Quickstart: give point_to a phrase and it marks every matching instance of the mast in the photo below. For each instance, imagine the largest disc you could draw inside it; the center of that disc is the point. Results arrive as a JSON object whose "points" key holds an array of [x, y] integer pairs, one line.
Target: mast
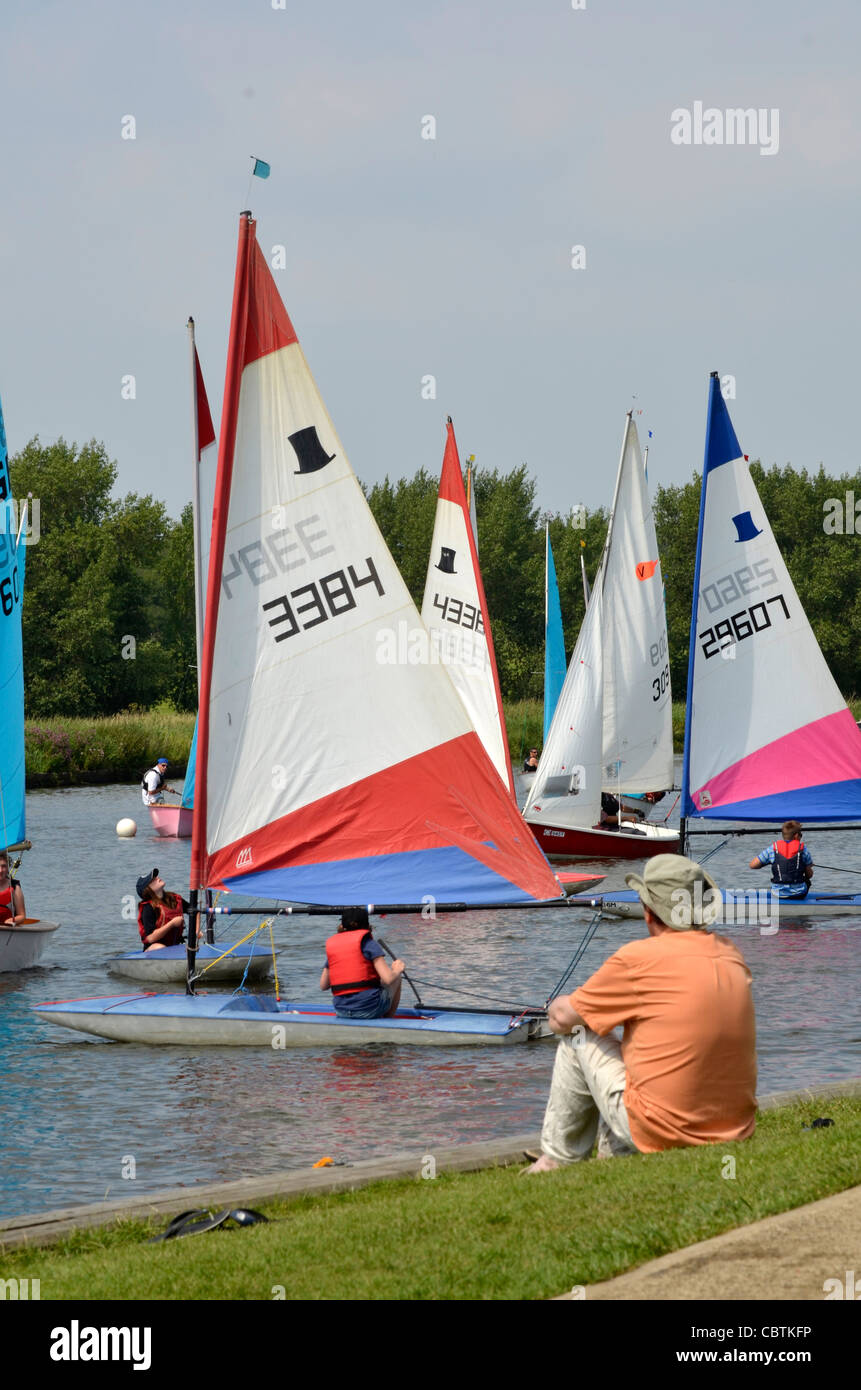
{"points": [[714, 385], [199, 579], [226, 443]]}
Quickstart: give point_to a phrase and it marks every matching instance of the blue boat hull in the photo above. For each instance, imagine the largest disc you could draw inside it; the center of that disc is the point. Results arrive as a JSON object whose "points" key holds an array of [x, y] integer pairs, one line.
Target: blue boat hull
{"points": [[259, 1020], [752, 907]]}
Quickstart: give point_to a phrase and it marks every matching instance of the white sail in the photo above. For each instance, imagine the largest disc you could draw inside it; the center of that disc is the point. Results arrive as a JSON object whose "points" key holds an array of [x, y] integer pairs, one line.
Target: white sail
{"points": [[339, 763], [769, 734], [454, 612], [566, 789], [638, 732]]}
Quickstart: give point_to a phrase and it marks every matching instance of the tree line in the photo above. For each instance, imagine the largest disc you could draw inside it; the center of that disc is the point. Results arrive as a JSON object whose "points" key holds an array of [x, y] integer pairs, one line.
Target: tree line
{"points": [[109, 602]]}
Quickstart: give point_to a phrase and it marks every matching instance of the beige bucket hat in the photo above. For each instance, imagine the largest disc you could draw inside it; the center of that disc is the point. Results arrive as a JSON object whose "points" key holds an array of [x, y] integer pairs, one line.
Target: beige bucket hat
{"points": [[678, 891]]}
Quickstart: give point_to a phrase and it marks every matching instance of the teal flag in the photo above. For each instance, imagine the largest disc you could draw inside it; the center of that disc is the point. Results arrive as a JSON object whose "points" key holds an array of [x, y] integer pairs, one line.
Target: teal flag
{"points": [[261, 169]]}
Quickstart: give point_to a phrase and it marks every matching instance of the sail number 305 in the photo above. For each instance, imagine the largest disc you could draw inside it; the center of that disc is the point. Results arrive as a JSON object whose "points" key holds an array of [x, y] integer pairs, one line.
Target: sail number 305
{"points": [[740, 626]]}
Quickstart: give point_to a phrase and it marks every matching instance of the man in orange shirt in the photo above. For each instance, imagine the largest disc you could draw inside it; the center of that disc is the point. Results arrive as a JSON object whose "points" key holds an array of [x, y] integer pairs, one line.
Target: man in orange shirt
{"points": [[685, 1071]]}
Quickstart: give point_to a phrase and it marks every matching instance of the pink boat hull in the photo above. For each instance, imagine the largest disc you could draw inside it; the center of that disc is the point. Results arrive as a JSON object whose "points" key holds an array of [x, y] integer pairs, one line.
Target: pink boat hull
{"points": [[172, 822]]}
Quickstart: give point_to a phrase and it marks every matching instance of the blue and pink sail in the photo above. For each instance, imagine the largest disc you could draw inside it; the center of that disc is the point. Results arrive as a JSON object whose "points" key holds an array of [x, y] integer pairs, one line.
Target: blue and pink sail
{"points": [[768, 736]]}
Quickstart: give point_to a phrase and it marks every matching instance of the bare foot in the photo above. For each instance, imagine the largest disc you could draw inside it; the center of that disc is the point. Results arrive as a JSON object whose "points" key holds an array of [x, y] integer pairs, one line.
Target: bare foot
{"points": [[544, 1164]]}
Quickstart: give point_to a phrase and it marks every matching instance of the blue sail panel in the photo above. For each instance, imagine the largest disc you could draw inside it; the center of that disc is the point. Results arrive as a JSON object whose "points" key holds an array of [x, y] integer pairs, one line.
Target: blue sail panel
{"points": [[13, 824], [188, 786], [554, 645]]}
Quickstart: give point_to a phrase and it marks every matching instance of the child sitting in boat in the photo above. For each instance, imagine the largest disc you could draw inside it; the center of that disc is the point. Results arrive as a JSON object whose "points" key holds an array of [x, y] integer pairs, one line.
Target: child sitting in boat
{"points": [[363, 985], [790, 860], [12, 909], [161, 920]]}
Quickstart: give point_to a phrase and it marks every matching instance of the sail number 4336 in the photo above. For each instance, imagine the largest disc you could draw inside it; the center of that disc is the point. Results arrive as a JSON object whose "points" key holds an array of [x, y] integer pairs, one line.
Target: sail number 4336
{"points": [[739, 626]]}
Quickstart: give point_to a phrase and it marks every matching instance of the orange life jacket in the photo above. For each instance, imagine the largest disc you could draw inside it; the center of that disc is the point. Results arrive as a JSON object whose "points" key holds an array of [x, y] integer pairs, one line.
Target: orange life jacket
{"points": [[349, 970], [164, 909]]}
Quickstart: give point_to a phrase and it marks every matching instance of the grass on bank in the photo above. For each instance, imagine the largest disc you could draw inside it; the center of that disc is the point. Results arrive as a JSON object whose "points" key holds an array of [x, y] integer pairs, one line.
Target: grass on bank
{"points": [[486, 1235], [61, 752]]}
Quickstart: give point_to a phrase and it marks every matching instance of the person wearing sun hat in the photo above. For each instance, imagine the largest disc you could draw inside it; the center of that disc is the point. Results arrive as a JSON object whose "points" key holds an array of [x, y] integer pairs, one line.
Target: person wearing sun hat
{"points": [[685, 1070], [161, 915]]}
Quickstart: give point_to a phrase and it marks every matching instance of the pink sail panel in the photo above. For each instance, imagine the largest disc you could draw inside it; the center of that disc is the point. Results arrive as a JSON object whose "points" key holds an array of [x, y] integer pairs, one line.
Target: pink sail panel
{"points": [[820, 754]]}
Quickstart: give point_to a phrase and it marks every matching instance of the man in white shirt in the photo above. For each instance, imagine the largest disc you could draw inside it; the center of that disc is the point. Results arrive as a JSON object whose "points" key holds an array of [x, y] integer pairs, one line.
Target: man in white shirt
{"points": [[153, 785]]}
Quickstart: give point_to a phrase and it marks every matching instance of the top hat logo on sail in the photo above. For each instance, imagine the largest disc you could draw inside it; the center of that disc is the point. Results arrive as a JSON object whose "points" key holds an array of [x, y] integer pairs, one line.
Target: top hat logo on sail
{"points": [[446, 560], [746, 528], [645, 569], [309, 451]]}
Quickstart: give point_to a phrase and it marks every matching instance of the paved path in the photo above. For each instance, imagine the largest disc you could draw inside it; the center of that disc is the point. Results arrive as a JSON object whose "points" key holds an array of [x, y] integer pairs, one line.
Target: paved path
{"points": [[783, 1257]]}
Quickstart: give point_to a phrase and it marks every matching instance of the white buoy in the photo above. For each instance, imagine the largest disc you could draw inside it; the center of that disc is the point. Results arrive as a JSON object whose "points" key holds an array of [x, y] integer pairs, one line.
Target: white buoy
{"points": [[126, 828]]}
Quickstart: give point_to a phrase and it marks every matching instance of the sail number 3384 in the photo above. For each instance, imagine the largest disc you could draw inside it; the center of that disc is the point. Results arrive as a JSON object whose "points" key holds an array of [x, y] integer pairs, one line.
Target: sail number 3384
{"points": [[321, 600]]}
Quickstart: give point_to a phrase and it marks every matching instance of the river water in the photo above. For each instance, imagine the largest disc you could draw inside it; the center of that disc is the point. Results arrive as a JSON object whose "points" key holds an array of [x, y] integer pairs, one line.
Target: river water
{"points": [[77, 1110]]}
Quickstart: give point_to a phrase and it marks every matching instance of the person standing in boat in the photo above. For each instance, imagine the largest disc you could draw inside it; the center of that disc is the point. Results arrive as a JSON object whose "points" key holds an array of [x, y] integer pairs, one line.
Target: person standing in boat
{"points": [[791, 862], [153, 785], [363, 985], [161, 915], [12, 910]]}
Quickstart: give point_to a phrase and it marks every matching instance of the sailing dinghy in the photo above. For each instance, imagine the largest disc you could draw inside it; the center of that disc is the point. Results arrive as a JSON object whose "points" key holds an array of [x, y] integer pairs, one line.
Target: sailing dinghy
{"points": [[768, 736], [22, 944], [612, 729], [329, 771]]}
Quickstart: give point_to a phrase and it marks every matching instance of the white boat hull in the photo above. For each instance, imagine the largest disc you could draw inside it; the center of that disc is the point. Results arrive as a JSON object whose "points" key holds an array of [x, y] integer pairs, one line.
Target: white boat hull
{"points": [[21, 947], [259, 1021], [168, 966]]}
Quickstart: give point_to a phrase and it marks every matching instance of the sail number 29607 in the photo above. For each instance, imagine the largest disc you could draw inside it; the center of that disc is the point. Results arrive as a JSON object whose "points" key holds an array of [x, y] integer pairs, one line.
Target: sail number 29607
{"points": [[739, 626]]}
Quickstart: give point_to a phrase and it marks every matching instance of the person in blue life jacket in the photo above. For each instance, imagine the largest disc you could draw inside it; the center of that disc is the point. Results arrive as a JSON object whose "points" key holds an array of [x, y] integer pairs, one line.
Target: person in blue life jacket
{"points": [[790, 860], [363, 985]]}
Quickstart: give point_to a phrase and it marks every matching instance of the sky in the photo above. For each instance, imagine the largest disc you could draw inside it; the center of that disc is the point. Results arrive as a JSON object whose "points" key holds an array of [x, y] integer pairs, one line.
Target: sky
{"points": [[449, 257]]}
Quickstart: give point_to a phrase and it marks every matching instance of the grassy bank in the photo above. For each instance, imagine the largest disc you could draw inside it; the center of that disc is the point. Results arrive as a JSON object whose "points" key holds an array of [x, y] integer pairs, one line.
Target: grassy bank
{"points": [[487, 1235], [71, 752], [68, 752]]}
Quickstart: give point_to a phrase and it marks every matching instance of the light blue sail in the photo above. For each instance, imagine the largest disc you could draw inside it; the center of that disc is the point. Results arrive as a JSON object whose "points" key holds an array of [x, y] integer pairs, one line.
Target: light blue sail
{"points": [[188, 787], [554, 643], [13, 824]]}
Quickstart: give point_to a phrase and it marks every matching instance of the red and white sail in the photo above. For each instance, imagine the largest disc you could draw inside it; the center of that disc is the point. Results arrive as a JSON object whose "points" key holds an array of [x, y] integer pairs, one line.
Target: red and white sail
{"points": [[454, 612], [337, 769]]}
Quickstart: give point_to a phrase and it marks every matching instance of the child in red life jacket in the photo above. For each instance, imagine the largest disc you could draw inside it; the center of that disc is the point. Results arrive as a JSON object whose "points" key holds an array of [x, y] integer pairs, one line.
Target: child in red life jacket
{"points": [[12, 908], [363, 985], [160, 915], [791, 863]]}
